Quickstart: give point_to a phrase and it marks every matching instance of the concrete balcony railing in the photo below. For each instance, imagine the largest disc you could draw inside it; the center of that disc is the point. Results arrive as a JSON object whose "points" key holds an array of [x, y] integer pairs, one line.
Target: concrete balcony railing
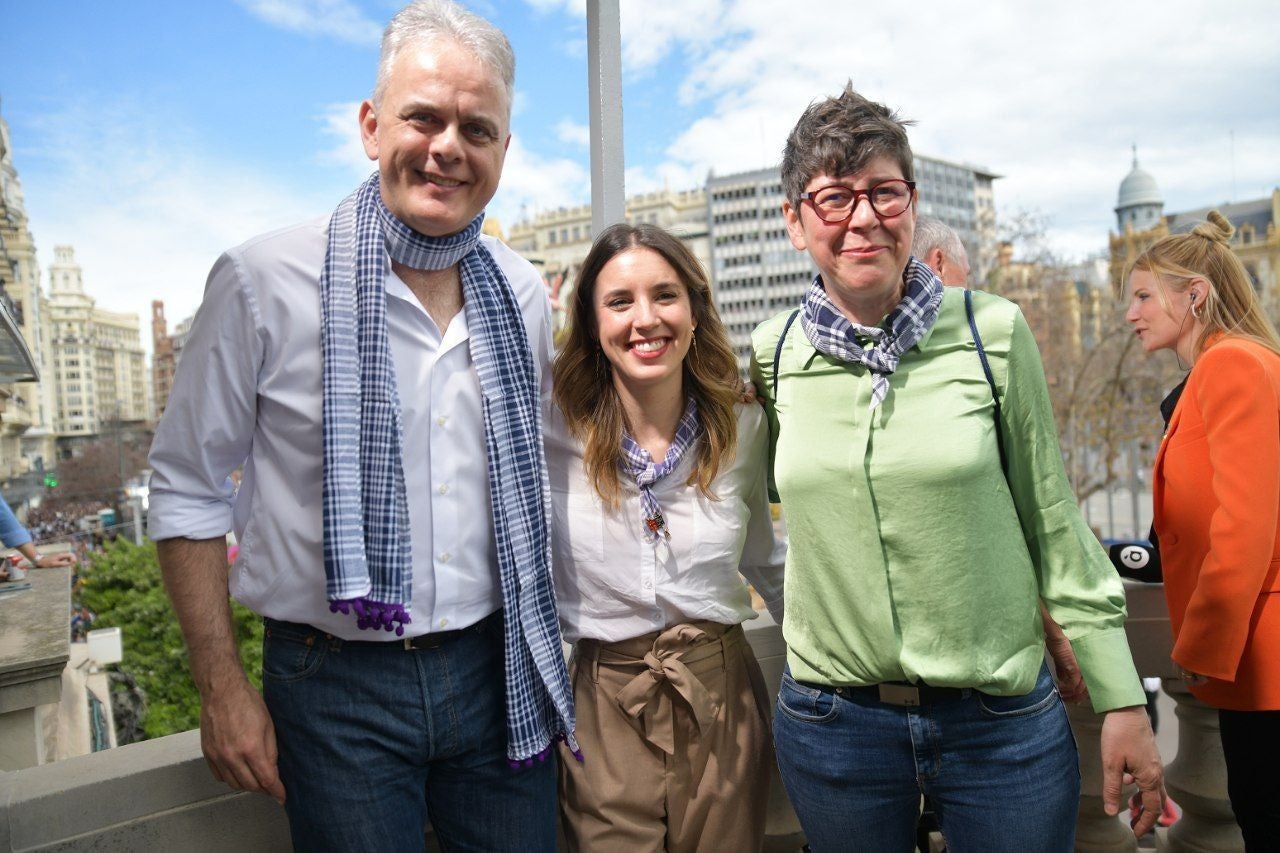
{"points": [[34, 649], [158, 795]]}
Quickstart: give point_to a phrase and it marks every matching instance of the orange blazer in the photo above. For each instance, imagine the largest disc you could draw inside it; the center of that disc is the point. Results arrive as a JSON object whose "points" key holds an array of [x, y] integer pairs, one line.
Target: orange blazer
{"points": [[1217, 498]]}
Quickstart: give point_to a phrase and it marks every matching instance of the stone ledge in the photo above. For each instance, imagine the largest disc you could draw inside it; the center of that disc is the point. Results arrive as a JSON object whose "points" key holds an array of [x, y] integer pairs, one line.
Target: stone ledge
{"points": [[152, 795], [35, 629]]}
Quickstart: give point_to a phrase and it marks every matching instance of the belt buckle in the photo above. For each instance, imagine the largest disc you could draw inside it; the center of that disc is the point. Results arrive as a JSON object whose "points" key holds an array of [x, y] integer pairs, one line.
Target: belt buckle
{"points": [[899, 694]]}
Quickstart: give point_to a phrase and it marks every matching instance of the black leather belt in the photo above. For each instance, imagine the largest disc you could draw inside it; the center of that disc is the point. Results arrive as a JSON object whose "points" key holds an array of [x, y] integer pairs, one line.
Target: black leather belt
{"points": [[434, 640], [905, 695]]}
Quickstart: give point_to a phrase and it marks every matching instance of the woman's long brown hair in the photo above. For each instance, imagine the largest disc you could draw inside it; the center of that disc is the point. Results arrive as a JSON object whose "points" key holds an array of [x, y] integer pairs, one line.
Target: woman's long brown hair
{"points": [[583, 377]]}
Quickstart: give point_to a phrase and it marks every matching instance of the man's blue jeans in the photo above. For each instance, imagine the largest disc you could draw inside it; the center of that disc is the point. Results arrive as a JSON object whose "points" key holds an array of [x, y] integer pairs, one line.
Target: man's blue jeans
{"points": [[375, 740], [1002, 772]]}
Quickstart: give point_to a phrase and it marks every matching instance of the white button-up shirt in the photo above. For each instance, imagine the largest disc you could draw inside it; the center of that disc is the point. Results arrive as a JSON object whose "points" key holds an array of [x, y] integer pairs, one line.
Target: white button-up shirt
{"points": [[614, 583], [248, 392]]}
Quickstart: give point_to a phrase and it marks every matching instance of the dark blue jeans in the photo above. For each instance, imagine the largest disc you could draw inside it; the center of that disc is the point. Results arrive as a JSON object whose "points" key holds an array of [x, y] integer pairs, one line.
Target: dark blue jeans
{"points": [[375, 740], [1002, 772]]}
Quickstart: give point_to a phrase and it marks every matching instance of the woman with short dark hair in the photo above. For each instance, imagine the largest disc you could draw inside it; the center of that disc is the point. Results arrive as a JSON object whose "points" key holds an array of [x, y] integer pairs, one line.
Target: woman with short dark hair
{"points": [[928, 513]]}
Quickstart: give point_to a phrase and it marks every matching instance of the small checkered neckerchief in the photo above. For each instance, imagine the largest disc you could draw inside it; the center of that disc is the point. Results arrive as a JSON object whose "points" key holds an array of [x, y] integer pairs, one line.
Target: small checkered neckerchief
{"points": [[878, 348], [636, 462], [367, 557]]}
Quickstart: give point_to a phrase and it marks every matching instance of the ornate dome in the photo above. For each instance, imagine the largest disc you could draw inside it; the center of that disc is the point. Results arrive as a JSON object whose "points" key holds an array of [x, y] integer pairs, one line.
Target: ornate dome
{"points": [[1138, 187]]}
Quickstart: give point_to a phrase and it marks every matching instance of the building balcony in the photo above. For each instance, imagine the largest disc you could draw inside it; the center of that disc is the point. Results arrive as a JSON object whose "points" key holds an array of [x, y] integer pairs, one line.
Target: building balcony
{"points": [[16, 362]]}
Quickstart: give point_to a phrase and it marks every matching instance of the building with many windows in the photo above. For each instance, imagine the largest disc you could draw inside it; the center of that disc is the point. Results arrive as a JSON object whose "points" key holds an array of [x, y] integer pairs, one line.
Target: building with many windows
{"points": [[98, 363], [755, 270], [26, 441], [557, 241]]}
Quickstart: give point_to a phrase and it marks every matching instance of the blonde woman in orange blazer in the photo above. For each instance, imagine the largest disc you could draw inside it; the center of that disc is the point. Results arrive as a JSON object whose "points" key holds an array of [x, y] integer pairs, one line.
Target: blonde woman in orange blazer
{"points": [[1217, 499]]}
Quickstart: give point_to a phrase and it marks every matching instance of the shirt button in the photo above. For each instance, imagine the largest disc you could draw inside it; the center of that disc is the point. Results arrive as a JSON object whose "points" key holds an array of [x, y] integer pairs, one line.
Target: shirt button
{"points": [[648, 584], [445, 557], [444, 622], [444, 489], [442, 420]]}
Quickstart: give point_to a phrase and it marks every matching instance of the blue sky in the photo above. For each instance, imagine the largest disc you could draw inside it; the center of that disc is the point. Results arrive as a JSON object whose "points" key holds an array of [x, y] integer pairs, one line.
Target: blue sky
{"points": [[151, 135]]}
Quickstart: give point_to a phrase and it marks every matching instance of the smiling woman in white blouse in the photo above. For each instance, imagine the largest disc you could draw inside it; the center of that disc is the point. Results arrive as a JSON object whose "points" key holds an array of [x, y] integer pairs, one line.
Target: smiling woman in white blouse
{"points": [[660, 500]]}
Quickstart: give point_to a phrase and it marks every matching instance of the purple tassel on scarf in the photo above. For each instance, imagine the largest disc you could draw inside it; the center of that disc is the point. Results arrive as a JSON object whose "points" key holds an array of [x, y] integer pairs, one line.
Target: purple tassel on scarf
{"points": [[372, 614], [544, 755]]}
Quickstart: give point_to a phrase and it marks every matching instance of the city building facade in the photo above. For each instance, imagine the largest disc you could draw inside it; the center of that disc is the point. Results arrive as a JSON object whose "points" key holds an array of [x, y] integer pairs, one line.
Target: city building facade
{"points": [[26, 440], [1139, 203], [164, 360], [166, 352], [99, 367], [755, 270], [557, 241]]}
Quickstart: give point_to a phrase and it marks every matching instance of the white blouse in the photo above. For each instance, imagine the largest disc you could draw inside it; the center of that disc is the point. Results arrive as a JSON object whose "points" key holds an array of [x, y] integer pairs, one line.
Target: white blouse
{"points": [[613, 583]]}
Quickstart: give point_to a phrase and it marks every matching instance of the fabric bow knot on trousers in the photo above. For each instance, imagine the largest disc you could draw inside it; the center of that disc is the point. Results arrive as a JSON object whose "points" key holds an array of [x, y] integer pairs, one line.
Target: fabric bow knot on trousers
{"points": [[674, 728], [648, 702]]}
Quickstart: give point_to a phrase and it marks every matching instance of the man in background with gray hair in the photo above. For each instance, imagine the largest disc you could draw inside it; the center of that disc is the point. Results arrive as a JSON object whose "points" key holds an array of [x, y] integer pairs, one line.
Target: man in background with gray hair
{"points": [[938, 245], [379, 375]]}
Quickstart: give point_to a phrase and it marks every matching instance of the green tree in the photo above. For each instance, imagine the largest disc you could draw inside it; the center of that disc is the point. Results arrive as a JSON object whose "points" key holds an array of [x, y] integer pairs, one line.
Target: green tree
{"points": [[123, 587], [1105, 391]]}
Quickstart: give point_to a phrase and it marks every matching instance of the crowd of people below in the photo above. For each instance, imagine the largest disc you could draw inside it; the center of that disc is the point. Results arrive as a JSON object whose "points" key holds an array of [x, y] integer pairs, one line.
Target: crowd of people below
{"points": [[65, 521]]}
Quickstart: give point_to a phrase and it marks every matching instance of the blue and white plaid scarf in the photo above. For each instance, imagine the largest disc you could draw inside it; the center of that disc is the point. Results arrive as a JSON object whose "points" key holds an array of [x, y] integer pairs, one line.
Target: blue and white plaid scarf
{"points": [[368, 566], [639, 465], [836, 335]]}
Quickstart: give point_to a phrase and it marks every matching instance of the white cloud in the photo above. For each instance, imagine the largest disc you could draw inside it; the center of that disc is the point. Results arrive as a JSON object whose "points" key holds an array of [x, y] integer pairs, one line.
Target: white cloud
{"points": [[572, 7], [572, 133], [672, 176], [340, 126], [337, 18], [147, 211], [531, 183], [651, 30], [1049, 96]]}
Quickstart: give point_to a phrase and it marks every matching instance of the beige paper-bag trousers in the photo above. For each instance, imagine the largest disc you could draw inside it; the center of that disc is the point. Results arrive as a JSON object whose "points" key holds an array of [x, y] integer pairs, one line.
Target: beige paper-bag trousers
{"points": [[675, 732]]}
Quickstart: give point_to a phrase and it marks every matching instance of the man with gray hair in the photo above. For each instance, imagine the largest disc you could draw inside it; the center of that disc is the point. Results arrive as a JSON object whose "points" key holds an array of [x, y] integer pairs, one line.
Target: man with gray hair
{"points": [[379, 375], [938, 245]]}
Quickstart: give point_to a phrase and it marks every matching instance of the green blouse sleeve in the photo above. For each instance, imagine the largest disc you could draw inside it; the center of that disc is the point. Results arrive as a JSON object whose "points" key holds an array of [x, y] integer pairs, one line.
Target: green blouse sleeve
{"points": [[1077, 583]]}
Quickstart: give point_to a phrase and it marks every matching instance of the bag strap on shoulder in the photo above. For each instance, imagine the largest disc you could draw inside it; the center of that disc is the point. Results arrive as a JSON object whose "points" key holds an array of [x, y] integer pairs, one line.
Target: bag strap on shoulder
{"points": [[777, 352], [986, 369]]}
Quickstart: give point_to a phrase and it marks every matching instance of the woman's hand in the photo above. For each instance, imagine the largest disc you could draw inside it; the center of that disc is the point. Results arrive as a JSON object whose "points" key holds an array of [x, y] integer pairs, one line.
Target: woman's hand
{"points": [[1066, 670], [1129, 755]]}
